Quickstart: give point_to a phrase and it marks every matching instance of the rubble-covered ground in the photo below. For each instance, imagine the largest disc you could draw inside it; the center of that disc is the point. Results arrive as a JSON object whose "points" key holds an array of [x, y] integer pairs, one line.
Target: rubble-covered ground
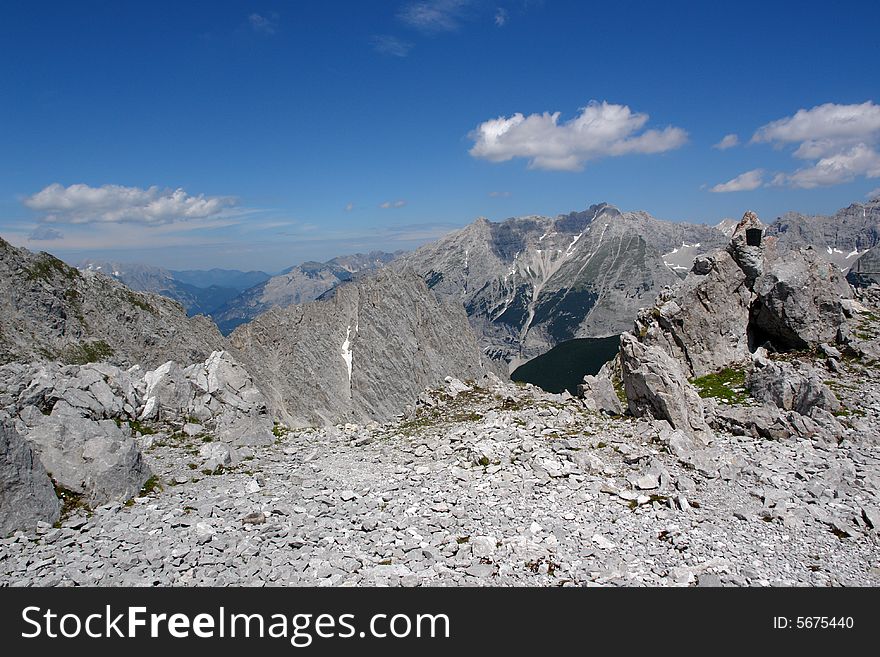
{"points": [[486, 484]]}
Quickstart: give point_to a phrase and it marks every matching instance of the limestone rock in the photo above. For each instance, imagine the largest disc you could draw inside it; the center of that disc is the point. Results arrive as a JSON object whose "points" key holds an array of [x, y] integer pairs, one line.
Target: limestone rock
{"points": [[599, 395], [704, 322], [95, 459], [26, 492], [52, 311], [799, 301], [791, 386], [361, 354], [656, 386], [750, 258]]}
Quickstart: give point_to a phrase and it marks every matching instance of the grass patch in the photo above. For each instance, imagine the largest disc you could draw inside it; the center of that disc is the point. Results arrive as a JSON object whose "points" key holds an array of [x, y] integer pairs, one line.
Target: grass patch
{"points": [[86, 352], [727, 384], [151, 485], [46, 266], [141, 428], [71, 502]]}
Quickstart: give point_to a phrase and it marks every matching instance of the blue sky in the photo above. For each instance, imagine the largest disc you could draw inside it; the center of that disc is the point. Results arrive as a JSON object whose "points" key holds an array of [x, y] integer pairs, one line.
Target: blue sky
{"points": [[258, 135]]}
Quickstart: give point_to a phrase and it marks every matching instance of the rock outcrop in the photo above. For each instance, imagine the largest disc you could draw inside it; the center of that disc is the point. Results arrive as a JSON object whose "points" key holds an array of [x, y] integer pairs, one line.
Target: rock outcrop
{"points": [[361, 354], [26, 493], [656, 387], [219, 394], [703, 323], [51, 311], [732, 302]]}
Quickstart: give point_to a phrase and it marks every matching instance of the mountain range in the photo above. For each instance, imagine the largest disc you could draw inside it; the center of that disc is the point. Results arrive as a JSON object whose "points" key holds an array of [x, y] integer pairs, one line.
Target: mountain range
{"points": [[526, 283]]}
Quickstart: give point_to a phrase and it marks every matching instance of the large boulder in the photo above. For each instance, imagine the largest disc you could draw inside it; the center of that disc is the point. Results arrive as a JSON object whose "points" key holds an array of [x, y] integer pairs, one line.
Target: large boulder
{"points": [[799, 301], [168, 392], [791, 386], [95, 459], [656, 386], [26, 492], [97, 390]]}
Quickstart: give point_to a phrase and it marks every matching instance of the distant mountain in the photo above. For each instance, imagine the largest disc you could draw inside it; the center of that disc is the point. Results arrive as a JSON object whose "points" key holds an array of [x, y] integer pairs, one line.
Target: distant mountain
{"points": [[52, 311], [297, 284], [223, 278], [530, 283], [199, 292], [840, 238]]}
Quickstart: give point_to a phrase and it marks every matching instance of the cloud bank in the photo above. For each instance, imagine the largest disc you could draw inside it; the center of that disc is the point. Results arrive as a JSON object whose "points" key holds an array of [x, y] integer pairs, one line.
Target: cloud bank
{"points": [[82, 204], [599, 130]]}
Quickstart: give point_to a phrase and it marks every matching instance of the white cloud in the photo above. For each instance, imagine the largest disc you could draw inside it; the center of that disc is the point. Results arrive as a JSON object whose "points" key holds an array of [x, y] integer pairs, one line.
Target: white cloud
{"points": [[599, 130], [823, 122], [392, 204], [842, 167], [391, 45], [742, 183], [729, 141], [500, 16], [349, 207], [434, 15], [499, 194], [45, 233], [839, 140], [82, 204], [265, 24], [873, 194]]}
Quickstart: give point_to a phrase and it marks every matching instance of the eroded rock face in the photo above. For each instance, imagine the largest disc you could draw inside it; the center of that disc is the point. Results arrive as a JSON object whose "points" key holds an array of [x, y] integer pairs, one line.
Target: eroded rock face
{"points": [[362, 354], [51, 311], [735, 300], [790, 386], [656, 386], [26, 492], [799, 300]]}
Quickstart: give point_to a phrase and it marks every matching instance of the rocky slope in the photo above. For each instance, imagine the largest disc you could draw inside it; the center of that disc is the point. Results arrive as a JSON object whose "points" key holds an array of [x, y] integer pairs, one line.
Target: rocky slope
{"points": [[490, 484], [298, 284], [360, 353], [530, 283], [51, 311]]}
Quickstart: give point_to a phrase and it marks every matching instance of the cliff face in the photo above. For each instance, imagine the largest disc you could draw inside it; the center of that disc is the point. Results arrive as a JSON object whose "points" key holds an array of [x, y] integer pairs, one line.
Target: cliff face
{"points": [[363, 353]]}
